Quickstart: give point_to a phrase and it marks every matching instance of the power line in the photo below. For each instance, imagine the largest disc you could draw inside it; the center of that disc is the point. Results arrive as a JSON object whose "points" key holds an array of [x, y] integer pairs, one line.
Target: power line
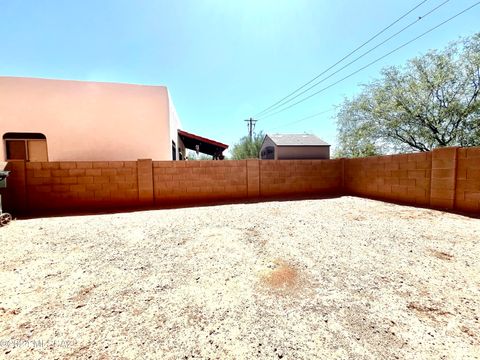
{"points": [[375, 61], [345, 57], [357, 58], [303, 119]]}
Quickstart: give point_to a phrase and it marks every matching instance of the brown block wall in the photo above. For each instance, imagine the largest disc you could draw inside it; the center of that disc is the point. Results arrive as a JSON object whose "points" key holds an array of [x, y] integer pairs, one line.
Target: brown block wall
{"points": [[401, 178], [73, 185], [446, 178], [181, 182], [145, 182], [467, 190], [253, 178], [444, 167], [300, 177]]}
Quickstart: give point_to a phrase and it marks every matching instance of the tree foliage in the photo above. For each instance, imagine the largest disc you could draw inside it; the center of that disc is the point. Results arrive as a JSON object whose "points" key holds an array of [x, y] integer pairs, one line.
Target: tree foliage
{"points": [[248, 148], [431, 102]]}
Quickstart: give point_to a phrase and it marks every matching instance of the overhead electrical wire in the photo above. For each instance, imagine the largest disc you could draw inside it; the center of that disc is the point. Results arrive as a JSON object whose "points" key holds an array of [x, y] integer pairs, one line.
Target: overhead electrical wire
{"points": [[375, 61], [357, 58], [303, 119], [345, 57]]}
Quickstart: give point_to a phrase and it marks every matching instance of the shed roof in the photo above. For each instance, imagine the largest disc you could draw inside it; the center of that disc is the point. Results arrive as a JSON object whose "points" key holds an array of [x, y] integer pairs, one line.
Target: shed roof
{"points": [[297, 140]]}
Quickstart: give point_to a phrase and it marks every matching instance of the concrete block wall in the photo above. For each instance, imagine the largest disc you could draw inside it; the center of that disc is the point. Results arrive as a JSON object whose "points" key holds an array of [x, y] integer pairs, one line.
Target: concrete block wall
{"points": [[253, 178], [402, 178], [467, 189], [83, 184], [444, 164], [446, 178], [181, 182], [145, 182], [300, 177]]}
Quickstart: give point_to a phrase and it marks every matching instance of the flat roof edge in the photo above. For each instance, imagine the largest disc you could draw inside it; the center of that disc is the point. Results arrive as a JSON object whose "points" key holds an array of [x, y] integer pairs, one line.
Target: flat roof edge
{"points": [[81, 81]]}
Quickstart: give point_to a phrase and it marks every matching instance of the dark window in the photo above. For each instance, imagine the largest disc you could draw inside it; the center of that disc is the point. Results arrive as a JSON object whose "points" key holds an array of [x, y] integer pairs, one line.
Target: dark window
{"points": [[174, 151], [268, 153]]}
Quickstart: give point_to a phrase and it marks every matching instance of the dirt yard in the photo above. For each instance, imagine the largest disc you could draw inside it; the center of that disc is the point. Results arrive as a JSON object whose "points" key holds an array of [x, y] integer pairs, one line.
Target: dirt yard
{"points": [[343, 278]]}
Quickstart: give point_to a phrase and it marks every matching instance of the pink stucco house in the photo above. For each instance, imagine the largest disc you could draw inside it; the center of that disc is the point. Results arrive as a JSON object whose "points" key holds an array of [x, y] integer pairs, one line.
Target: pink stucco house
{"points": [[61, 120]]}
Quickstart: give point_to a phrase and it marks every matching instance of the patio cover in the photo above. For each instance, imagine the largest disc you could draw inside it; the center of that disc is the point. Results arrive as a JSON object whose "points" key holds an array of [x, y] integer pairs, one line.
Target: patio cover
{"points": [[206, 146]]}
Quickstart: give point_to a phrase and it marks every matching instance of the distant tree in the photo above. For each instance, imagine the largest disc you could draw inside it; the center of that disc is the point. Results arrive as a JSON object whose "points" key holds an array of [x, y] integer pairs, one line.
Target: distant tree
{"points": [[246, 148], [431, 102]]}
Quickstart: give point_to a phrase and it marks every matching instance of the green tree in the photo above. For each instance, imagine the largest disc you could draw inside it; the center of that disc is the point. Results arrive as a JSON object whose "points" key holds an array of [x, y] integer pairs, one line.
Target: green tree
{"points": [[248, 148], [431, 102]]}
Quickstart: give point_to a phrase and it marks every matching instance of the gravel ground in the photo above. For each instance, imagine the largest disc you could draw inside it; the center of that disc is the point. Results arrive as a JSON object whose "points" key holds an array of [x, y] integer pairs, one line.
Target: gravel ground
{"points": [[343, 278]]}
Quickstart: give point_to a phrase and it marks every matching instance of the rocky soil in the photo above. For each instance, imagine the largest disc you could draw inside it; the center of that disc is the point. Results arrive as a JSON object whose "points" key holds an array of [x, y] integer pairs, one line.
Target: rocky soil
{"points": [[343, 278]]}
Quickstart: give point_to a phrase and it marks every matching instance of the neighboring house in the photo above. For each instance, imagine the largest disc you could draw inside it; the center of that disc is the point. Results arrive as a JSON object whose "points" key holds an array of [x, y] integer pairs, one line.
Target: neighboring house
{"points": [[293, 146], [61, 120]]}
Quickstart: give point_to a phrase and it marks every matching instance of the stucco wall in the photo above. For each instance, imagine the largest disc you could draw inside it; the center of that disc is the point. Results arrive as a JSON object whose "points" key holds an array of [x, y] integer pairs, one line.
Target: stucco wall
{"points": [[174, 125], [88, 120], [302, 152]]}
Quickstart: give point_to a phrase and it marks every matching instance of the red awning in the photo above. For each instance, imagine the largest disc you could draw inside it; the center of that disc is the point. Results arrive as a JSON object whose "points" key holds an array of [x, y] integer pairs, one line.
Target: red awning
{"points": [[206, 146]]}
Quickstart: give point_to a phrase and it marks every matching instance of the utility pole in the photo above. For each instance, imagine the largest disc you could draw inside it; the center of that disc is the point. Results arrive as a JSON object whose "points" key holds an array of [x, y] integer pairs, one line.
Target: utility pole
{"points": [[251, 125]]}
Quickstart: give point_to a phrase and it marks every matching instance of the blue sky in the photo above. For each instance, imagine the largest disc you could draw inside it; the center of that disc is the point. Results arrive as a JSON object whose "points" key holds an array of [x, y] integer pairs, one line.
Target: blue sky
{"points": [[222, 60]]}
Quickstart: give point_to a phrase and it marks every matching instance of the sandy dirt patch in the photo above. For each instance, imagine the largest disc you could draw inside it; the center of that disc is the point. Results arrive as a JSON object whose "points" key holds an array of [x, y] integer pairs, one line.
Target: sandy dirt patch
{"points": [[343, 278]]}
